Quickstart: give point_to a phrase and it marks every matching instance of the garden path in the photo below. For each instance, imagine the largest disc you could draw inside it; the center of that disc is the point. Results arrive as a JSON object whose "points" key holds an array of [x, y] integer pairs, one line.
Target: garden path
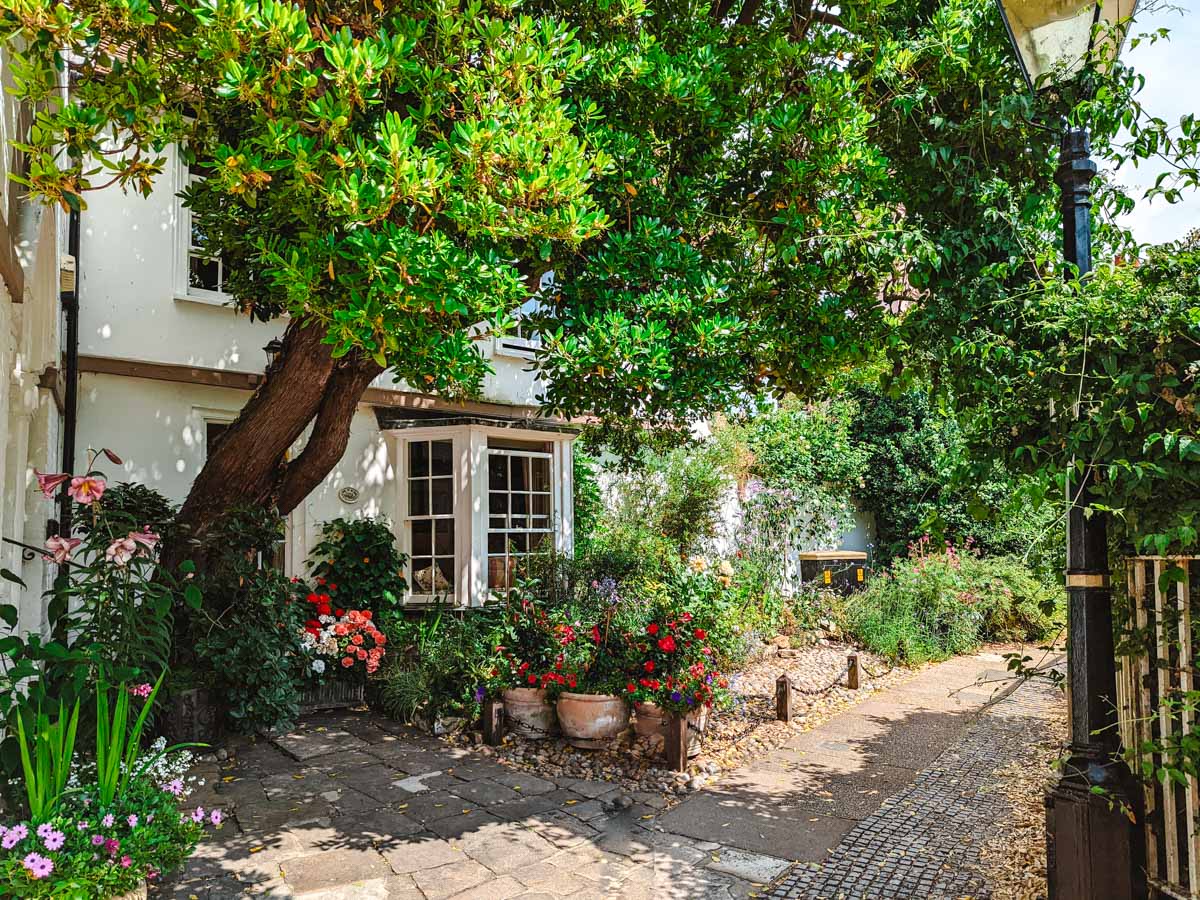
{"points": [[352, 806]]}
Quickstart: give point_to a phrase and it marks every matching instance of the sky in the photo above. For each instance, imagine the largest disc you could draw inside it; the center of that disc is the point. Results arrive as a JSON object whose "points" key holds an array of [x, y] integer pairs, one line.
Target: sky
{"points": [[1172, 71]]}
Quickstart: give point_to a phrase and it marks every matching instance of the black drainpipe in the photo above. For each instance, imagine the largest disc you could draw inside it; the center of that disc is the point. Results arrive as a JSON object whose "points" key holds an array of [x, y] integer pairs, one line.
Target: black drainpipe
{"points": [[70, 305]]}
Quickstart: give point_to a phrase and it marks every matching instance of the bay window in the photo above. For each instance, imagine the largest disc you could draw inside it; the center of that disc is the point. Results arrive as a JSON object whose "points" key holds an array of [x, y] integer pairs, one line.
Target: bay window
{"points": [[477, 500]]}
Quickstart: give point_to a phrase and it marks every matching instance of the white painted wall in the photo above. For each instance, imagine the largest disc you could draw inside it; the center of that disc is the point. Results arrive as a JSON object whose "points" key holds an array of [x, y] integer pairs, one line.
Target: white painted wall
{"points": [[157, 428], [133, 305], [29, 418]]}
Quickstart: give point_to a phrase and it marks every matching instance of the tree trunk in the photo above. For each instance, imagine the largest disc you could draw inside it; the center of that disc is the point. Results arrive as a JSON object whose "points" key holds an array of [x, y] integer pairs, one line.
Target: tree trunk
{"points": [[248, 463]]}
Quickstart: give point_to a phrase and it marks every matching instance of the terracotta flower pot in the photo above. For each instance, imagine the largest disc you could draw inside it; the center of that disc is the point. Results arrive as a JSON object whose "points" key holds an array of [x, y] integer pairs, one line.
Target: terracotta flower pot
{"points": [[591, 721], [651, 720], [529, 713]]}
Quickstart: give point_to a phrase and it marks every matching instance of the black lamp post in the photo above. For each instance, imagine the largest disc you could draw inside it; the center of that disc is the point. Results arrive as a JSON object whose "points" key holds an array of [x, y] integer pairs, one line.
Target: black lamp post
{"points": [[1094, 849]]}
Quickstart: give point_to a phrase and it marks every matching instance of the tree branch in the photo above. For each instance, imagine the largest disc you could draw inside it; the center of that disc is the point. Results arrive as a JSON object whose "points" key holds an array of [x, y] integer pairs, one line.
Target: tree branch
{"points": [[330, 432]]}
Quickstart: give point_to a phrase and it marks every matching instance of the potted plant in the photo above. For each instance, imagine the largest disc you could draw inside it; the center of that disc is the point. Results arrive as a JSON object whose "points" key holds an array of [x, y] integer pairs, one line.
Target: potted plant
{"points": [[340, 647], [592, 690], [530, 663], [673, 667]]}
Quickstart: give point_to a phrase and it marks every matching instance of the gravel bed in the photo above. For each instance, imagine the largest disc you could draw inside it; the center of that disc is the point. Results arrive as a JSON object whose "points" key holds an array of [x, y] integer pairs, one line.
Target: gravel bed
{"points": [[734, 736]]}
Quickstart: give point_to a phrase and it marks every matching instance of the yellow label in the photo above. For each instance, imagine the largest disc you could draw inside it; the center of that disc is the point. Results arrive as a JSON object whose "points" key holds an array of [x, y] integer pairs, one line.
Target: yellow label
{"points": [[828, 577], [860, 574]]}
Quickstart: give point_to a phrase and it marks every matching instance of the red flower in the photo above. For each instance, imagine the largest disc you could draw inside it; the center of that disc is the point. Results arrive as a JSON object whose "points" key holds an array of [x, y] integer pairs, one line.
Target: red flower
{"points": [[652, 629], [324, 609], [648, 665], [631, 687], [533, 679], [571, 681], [321, 581], [339, 612], [596, 633], [347, 661], [312, 598], [687, 617], [700, 634], [356, 639], [667, 644], [654, 684]]}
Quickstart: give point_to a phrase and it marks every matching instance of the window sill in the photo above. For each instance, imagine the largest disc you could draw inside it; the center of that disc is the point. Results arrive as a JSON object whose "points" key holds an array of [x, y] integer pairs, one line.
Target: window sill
{"points": [[214, 300]]}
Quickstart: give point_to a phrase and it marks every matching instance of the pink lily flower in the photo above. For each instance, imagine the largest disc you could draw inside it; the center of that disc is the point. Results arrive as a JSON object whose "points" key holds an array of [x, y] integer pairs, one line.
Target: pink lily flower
{"points": [[60, 548], [146, 540], [48, 483], [86, 489], [121, 551]]}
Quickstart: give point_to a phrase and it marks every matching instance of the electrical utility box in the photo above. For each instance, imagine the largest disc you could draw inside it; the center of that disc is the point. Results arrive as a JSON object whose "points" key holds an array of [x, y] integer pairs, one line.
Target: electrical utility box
{"points": [[844, 571]]}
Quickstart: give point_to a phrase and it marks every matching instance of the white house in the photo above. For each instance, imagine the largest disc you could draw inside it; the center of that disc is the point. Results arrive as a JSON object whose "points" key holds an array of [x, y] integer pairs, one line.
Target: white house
{"points": [[32, 392], [165, 364]]}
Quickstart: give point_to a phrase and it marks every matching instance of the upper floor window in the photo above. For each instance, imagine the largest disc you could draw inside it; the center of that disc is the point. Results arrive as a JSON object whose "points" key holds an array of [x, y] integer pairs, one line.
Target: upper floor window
{"points": [[201, 274], [523, 341]]}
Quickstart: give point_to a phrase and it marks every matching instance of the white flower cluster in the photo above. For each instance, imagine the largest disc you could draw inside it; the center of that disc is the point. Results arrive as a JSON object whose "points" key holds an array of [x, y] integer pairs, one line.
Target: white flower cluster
{"points": [[323, 643]]}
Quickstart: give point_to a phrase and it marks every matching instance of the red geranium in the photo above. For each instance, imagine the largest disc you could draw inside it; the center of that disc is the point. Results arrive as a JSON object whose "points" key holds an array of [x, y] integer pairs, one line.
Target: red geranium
{"points": [[667, 644], [652, 629], [701, 634], [648, 665]]}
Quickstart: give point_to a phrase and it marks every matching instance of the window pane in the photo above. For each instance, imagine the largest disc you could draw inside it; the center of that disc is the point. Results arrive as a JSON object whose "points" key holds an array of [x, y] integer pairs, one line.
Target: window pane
{"points": [[422, 575], [443, 457], [444, 534], [498, 573], [497, 472], [497, 523], [540, 522], [520, 473], [541, 473], [418, 459], [518, 543], [540, 504], [204, 273], [520, 504], [497, 503], [443, 496], [422, 535], [418, 497], [495, 542], [444, 574], [539, 542]]}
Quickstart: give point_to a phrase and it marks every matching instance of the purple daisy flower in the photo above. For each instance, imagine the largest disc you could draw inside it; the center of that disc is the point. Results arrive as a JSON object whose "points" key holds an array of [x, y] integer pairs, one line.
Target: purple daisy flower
{"points": [[54, 840], [43, 830], [133, 821], [97, 840]]}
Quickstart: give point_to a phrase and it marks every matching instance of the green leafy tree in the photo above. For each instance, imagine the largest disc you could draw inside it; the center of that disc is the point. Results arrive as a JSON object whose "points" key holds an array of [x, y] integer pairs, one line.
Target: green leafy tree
{"points": [[735, 196]]}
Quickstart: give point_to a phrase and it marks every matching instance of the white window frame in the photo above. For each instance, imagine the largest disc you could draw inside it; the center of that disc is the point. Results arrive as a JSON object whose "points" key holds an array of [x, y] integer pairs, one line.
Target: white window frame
{"points": [[552, 513], [516, 343], [470, 474], [183, 245]]}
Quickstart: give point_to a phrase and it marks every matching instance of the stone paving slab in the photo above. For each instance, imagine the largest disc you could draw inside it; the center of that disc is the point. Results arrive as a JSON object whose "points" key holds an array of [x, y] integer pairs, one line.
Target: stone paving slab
{"points": [[353, 806]]}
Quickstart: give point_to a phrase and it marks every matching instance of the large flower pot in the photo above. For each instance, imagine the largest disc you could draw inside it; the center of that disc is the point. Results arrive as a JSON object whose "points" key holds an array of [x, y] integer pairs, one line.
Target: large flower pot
{"points": [[592, 721], [529, 713], [651, 720]]}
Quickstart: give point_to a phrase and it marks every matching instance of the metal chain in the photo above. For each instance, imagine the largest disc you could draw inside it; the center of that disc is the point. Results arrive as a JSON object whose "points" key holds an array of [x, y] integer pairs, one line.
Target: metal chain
{"points": [[886, 671], [812, 692]]}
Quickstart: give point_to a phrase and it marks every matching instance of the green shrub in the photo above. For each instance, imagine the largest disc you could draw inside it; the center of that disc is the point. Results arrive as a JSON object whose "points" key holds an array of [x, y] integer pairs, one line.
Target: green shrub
{"points": [[445, 655], [247, 635], [357, 562], [933, 605]]}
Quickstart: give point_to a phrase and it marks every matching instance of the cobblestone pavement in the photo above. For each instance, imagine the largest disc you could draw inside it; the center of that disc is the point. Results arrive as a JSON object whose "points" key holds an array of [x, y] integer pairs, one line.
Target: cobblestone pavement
{"points": [[924, 842]]}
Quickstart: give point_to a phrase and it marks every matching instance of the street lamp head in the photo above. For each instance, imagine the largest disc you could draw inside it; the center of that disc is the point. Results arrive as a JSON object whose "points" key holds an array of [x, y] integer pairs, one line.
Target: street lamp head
{"points": [[1060, 37], [273, 348]]}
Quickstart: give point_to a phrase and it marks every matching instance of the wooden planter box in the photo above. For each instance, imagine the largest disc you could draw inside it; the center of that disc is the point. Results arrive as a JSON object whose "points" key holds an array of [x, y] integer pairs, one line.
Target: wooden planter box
{"points": [[333, 695], [192, 717]]}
